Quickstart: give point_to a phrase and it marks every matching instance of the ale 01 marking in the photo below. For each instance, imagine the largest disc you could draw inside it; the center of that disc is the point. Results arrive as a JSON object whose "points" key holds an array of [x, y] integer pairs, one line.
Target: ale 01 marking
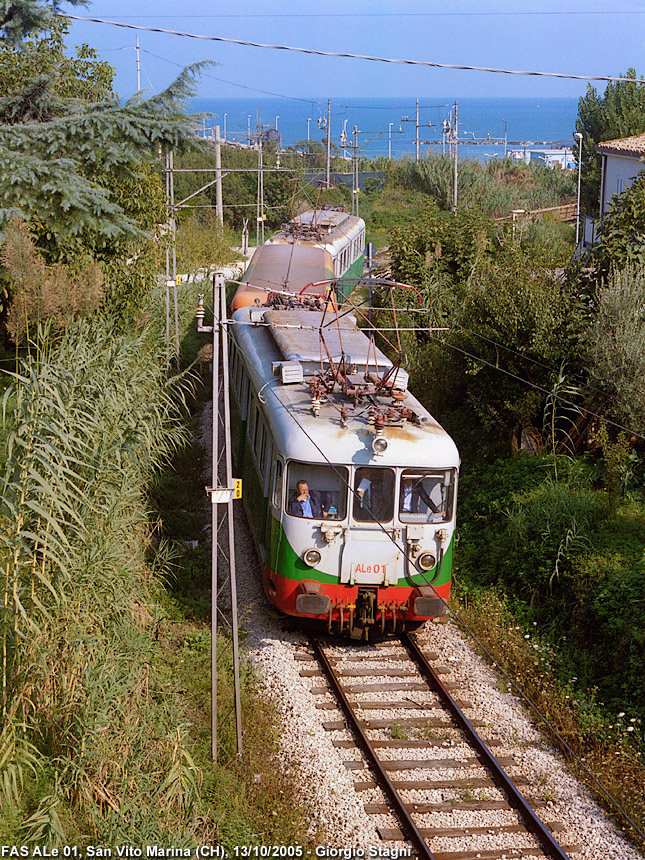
{"points": [[376, 569]]}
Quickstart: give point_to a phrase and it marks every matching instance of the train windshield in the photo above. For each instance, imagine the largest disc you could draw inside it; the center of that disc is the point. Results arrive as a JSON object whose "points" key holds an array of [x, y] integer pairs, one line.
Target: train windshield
{"points": [[426, 496], [373, 495], [317, 492]]}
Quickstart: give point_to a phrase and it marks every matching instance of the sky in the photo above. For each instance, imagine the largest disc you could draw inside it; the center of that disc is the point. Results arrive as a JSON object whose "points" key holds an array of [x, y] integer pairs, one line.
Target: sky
{"points": [[580, 37]]}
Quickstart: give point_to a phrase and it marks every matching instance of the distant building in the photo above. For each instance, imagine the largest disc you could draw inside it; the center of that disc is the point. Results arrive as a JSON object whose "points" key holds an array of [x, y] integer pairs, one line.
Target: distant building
{"points": [[266, 133], [561, 157], [621, 164]]}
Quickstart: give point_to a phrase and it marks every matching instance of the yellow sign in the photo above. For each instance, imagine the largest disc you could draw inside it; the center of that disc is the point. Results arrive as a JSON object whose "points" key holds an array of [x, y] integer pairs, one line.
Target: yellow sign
{"points": [[237, 488]]}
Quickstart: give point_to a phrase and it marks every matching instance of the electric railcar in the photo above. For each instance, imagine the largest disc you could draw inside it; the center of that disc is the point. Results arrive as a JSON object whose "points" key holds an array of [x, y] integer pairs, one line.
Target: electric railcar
{"points": [[370, 547], [317, 246]]}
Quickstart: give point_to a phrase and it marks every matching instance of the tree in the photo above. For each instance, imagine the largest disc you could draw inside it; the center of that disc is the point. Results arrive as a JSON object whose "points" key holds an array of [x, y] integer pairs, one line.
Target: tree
{"points": [[84, 76], [20, 18], [619, 113], [79, 167]]}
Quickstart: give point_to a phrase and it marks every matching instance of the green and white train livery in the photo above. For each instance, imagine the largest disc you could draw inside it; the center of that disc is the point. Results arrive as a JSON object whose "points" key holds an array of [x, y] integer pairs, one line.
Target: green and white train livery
{"points": [[350, 485]]}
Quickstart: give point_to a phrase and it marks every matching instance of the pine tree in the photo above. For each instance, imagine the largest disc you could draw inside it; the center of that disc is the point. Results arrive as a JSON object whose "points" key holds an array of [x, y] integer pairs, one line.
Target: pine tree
{"points": [[79, 166]]}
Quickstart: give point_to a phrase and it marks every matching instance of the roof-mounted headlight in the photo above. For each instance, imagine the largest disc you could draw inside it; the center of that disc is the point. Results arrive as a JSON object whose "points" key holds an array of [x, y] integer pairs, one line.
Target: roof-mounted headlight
{"points": [[379, 445]]}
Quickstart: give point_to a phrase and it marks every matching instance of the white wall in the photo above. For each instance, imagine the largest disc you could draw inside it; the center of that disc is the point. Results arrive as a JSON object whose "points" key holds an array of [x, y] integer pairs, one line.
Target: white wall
{"points": [[620, 171]]}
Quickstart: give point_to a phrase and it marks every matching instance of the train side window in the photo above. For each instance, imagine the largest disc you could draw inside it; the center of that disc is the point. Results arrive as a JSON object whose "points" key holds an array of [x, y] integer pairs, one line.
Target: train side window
{"points": [[277, 485], [235, 371], [253, 414], [326, 491], [426, 496], [260, 449], [373, 495], [244, 399]]}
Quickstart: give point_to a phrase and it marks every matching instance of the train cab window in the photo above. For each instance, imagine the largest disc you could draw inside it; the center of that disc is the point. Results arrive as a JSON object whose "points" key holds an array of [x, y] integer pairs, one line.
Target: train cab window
{"points": [[426, 496], [316, 492], [373, 495]]}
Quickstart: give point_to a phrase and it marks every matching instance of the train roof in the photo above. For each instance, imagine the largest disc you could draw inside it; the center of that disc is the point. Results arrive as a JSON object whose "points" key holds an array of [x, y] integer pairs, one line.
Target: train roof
{"points": [[329, 436], [324, 226], [278, 267]]}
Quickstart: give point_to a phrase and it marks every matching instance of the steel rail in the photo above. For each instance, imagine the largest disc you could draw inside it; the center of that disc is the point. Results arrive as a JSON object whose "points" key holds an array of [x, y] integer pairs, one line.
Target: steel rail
{"points": [[503, 781], [410, 829]]}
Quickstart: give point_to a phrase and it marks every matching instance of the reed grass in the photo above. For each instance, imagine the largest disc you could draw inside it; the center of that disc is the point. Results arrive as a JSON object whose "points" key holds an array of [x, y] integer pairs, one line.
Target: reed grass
{"points": [[91, 419]]}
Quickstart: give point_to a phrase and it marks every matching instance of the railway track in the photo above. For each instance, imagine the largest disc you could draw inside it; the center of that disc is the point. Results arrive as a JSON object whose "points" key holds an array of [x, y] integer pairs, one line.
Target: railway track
{"points": [[432, 781]]}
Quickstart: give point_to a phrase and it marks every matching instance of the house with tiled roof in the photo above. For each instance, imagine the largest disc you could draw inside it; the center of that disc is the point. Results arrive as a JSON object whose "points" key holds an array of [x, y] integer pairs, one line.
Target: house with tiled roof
{"points": [[622, 161]]}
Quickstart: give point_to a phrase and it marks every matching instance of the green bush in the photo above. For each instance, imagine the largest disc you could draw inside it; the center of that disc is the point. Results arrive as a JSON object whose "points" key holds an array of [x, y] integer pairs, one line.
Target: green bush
{"points": [[567, 561]]}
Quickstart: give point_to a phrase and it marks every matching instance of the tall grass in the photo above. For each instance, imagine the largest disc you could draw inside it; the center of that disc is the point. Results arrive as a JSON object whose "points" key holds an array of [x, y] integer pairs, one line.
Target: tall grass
{"points": [[92, 418], [495, 188]]}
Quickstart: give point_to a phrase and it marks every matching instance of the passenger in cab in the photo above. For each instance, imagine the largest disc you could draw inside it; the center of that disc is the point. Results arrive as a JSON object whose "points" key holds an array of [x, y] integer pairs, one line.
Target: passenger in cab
{"points": [[373, 494]]}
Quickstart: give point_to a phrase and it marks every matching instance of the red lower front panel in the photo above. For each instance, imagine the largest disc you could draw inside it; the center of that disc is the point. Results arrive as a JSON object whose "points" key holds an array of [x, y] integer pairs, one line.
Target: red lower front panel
{"points": [[397, 602]]}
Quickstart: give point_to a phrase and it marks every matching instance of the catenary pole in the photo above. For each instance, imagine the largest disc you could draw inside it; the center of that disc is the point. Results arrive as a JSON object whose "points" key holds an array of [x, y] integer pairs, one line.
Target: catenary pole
{"points": [[456, 156], [219, 208], [328, 170]]}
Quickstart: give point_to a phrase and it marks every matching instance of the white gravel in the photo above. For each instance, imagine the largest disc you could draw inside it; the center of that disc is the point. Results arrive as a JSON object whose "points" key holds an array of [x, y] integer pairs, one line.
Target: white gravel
{"points": [[336, 809]]}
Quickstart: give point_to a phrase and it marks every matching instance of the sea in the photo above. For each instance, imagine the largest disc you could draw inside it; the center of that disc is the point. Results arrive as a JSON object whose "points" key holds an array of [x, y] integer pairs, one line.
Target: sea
{"points": [[487, 127]]}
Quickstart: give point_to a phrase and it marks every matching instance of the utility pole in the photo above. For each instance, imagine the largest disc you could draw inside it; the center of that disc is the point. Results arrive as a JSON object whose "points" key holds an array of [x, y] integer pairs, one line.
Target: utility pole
{"points": [[328, 171], [456, 156], [138, 67], [219, 208], [417, 137], [169, 212]]}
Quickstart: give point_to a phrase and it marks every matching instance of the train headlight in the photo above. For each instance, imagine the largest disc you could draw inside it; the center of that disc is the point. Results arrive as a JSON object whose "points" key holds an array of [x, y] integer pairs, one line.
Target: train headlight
{"points": [[311, 557], [379, 445], [426, 561]]}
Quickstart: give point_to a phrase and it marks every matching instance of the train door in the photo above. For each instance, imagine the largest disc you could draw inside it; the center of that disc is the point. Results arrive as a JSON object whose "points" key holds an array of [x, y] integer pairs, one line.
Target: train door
{"points": [[274, 526]]}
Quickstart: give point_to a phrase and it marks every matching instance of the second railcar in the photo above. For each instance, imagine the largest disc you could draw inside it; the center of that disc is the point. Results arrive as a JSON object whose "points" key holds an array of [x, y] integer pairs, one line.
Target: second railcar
{"points": [[318, 246]]}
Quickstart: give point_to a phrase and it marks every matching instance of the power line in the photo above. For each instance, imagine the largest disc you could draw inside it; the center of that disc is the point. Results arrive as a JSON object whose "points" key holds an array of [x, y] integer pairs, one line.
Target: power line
{"points": [[233, 83], [398, 14], [538, 387], [425, 63]]}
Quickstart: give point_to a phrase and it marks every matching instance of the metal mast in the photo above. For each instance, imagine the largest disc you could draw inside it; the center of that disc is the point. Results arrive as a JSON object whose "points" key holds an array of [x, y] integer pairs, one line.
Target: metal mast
{"points": [[222, 492]]}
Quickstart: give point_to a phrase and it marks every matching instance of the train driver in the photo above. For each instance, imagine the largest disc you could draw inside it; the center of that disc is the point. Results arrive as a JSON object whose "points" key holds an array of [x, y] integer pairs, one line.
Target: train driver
{"points": [[306, 503], [412, 493]]}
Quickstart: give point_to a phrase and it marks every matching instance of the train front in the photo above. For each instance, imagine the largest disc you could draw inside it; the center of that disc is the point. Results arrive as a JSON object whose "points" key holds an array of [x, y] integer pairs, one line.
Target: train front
{"points": [[364, 536]]}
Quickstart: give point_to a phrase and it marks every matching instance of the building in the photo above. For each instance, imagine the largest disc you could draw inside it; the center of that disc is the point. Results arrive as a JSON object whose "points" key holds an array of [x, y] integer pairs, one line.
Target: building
{"points": [[560, 156], [622, 161]]}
